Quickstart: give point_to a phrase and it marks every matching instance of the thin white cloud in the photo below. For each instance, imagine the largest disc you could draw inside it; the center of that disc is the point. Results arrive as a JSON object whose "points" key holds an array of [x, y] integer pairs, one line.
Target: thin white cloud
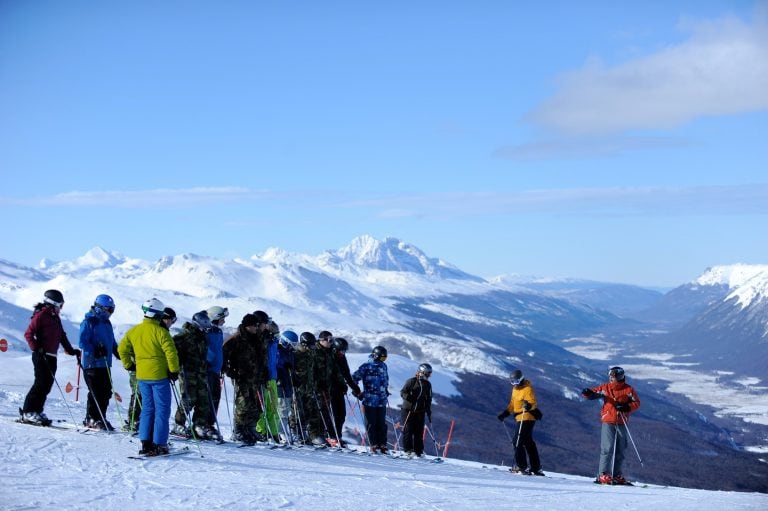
{"points": [[722, 69], [749, 199], [567, 148], [160, 197]]}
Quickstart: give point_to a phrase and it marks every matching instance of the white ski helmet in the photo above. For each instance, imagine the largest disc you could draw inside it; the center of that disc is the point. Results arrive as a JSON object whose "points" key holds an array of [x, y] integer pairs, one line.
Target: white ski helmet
{"points": [[153, 308], [217, 313]]}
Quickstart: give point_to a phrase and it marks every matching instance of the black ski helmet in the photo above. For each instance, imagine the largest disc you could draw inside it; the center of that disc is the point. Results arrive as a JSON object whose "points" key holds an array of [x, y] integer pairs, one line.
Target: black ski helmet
{"points": [[425, 370], [516, 376], [169, 313], [340, 344], [54, 297], [261, 317], [325, 334], [617, 372], [379, 353], [307, 339]]}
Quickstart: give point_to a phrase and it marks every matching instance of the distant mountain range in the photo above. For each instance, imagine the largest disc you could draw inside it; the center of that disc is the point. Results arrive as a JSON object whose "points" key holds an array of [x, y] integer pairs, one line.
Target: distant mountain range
{"points": [[390, 292]]}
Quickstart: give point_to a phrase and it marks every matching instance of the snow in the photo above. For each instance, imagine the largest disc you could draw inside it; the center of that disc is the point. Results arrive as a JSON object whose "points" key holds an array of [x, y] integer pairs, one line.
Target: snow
{"points": [[67, 470]]}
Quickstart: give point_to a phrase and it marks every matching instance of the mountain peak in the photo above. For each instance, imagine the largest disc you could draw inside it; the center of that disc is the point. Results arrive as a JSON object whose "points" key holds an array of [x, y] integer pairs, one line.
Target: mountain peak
{"points": [[392, 254], [94, 259], [731, 275]]}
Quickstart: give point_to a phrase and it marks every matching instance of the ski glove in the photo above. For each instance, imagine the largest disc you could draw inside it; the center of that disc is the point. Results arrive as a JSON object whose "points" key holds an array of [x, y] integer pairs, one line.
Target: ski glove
{"points": [[621, 407], [173, 376], [526, 406], [357, 393], [503, 415], [74, 352], [588, 393], [40, 350], [131, 368], [100, 351]]}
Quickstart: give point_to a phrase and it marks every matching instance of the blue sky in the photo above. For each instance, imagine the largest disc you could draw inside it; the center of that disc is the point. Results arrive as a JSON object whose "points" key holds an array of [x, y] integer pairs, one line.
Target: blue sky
{"points": [[625, 143]]}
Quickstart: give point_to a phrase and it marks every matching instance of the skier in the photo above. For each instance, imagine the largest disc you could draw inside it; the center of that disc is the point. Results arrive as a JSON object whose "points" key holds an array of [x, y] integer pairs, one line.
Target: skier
{"points": [[269, 423], [192, 347], [134, 405], [341, 382], [305, 390], [523, 405], [44, 334], [245, 355], [285, 362], [215, 336], [97, 342], [619, 400], [374, 397], [417, 403], [156, 365], [326, 372]]}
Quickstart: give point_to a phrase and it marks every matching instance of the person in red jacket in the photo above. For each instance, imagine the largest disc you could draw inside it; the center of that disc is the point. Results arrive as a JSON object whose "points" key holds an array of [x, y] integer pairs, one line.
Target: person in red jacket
{"points": [[44, 335], [619, 400]]}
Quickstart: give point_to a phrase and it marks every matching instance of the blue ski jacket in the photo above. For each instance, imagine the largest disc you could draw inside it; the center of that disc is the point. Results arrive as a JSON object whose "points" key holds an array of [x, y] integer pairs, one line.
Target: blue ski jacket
{"points": [[215, 355], [285, 361], [375, 380], [95, 330]]}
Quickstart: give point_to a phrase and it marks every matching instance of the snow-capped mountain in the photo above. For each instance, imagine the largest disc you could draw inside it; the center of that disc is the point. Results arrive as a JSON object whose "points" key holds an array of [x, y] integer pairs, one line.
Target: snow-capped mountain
{"points": [[729, 329]]}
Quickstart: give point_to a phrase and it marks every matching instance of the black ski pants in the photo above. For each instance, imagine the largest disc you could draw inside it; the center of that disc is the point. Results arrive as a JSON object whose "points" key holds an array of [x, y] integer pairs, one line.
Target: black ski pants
{"points": [[99, 392], [413, 431], [339, 406], [214, 391], [376, 425], [524, 444], [45, 371]]}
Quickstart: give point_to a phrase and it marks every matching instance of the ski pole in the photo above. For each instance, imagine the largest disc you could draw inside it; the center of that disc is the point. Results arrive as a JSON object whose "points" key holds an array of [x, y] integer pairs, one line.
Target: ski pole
{"points": [[434, 440], [409, 431], [336, 433], [226, 400], [615, 440], [322, 417], [213, 411], [45, 357], [114, 395], [506, 430], [92, 396], [135, 401], [298, 402], [357, 422], [624, 418], [180, 403], [270, 436], [519, 434]]}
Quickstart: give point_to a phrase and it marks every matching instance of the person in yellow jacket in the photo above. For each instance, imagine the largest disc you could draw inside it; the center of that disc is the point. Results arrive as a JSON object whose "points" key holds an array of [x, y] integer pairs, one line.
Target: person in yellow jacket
{"points": [[156, 362], [522, 404]]}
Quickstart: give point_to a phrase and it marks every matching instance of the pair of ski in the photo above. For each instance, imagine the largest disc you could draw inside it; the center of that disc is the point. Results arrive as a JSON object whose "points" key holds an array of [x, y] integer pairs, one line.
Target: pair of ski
{"points": [[173, 452], [400, 456], [626, 483], [64, 426], [51, 424]]}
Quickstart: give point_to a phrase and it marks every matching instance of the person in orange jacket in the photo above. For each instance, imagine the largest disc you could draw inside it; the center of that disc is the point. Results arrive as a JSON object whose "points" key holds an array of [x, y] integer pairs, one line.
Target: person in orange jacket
{"points": [[619, 400], [523, 405]]}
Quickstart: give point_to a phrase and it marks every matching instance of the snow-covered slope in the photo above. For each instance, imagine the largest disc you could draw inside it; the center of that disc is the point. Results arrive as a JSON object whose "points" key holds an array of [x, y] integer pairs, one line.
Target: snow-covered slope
{"points": [[45, 468]]}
